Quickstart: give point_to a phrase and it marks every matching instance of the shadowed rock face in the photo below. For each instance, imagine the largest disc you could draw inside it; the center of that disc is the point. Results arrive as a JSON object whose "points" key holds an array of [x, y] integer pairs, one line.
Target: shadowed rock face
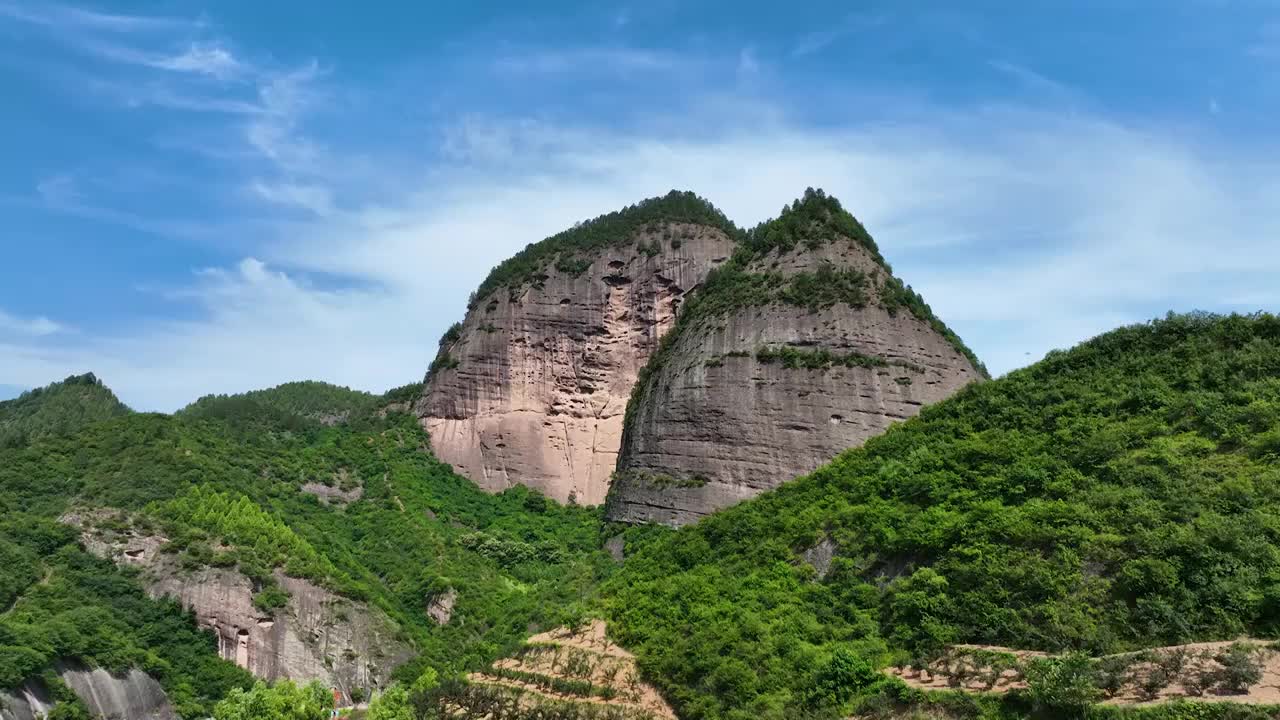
{"points": [[543, 373], [318, 635], [718, 422], [131, 696]]}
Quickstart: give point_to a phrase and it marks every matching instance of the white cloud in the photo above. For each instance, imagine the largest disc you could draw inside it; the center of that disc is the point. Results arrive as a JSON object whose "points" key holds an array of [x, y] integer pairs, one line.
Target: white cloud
{"points": [[819, 40], [1026, 231], [1026, 239], [588, 60], [317, 199], [38, 326], [210, 60], [64, 18]]}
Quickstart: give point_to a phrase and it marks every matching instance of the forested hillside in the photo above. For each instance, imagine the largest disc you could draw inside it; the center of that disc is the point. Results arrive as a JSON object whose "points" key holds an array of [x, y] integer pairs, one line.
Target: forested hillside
{"points": [[60, 408], [223, 484], [1119, 495]]}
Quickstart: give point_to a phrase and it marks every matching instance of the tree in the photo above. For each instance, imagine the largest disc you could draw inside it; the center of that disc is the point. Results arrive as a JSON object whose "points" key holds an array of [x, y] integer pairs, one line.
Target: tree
{"points": [[281, 701], [392, 704], [1064, 685], [1241, 668], [841, 678]]}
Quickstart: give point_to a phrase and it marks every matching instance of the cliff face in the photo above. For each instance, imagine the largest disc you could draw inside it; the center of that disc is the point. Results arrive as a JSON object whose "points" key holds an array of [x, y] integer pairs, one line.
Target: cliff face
{"points": [[533, 388], [318, 635], [802, 348], [133, 695]]}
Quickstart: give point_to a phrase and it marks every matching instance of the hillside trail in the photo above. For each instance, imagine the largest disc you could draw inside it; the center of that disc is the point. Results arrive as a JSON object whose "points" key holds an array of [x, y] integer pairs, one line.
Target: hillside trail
{"points": [[1265, 692]]}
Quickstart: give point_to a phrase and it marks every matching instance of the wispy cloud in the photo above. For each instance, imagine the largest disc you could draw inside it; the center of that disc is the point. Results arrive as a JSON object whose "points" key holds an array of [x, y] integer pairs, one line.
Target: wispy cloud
{"points": [[1014, 237], [38, 326], [819, 40], [68, 18], [589, 60], [317, 199], [1026, 230], [1033, 80]]}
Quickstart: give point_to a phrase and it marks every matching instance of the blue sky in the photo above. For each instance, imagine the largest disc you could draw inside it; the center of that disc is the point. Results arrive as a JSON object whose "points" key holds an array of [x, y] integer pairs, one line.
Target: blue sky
{"points": [[214, 197]]}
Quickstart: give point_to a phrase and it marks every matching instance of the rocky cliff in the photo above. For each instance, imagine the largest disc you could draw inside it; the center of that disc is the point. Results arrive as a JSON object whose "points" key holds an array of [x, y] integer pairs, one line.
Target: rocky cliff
{"points": [[317, 635], [133, 696], [532, 386], [800, 347]]}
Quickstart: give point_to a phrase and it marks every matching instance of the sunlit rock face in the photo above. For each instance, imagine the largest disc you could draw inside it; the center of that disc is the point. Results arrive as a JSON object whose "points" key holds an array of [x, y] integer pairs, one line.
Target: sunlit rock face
{"points": [[541, 375]]}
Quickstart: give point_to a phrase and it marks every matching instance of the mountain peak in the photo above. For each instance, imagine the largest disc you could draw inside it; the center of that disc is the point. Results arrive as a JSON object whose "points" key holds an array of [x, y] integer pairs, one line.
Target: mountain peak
{"points": [[57, 409]]}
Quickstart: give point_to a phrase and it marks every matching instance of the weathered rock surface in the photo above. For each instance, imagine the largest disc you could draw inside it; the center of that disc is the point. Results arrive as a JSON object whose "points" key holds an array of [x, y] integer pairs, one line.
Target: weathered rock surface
{"points": [[131, 696], [715, 425], [440, 609], [318, 635], [543, 373], [28, 702]]}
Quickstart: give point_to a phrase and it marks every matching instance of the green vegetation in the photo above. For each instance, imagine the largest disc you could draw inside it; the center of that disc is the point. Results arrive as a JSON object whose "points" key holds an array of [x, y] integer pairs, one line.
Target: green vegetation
{"points": [[226, 488], [567, 249], [458, 700], [746, 281], [443, 360], [309, 400], [282, 701], [1116, 496], [59, 602], [895, 295], [809, 222], [795, 358], [58, 409]]}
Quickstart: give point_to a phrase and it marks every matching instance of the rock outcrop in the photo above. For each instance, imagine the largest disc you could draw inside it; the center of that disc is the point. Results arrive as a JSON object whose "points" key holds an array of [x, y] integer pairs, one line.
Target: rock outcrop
{"points": [[532, 387], [803, 346], [318, 635], [133, 695]]}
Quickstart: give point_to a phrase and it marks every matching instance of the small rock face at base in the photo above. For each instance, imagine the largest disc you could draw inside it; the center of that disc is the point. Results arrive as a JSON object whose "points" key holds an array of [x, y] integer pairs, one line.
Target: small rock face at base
{"points": [[317, 635], [133, 695]]}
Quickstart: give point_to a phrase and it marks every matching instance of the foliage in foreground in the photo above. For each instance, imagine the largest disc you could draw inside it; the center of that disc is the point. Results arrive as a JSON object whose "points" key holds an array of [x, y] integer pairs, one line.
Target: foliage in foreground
{"points": [[1120, 495], [227, 489], [282, 700]]}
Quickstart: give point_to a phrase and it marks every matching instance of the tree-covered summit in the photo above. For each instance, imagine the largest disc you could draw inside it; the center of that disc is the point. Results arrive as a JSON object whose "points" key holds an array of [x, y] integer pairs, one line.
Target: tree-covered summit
{"points": [[605, 231], [810, 221], [307, 401], [59, 408]]}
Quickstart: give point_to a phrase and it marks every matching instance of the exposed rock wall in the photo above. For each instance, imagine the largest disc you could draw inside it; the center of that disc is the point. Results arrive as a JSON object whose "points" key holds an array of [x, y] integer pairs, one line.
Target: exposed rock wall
{"points": [[29, 702], [318, 635], [131, 696], [543, 373], [719, 422]]}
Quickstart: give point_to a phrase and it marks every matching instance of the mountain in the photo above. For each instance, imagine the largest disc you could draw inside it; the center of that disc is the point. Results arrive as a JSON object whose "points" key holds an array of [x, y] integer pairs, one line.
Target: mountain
{"points": [[308, 401], [1120, 495], [531, 388], [802, 345], [303, 546], [539, 382], [57, 409]]}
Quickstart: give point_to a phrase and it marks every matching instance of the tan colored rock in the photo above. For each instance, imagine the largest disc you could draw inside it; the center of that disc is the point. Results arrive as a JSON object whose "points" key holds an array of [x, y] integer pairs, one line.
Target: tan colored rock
{"points": [[440, 609], [543, 373], [716, 425], [318, 635]]}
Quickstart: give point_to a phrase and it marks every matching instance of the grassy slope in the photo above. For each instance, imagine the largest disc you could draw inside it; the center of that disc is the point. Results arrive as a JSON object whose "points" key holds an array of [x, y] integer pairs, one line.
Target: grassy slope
{"points": [[1121, 494]]}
